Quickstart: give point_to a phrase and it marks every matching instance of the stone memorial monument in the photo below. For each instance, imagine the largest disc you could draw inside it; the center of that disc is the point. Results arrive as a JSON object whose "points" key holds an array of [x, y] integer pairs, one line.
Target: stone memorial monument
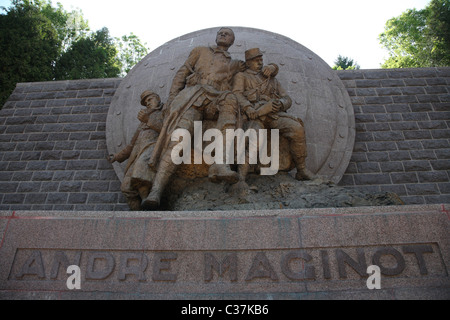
{"points": [[227, 146], [295, 95]]}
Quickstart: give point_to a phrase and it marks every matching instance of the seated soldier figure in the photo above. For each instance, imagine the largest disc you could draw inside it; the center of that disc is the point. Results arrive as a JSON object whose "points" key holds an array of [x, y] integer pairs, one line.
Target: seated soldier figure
{"points": [[265, 103]]}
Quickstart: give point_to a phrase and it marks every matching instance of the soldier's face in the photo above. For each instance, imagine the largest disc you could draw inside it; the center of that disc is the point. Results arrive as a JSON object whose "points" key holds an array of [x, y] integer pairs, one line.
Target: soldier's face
{"points": [[255, 64], [225, 37], [151, 102]]}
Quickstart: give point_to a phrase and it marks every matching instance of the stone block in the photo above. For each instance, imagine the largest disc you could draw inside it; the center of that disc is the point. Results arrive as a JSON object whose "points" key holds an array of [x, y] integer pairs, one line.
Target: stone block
{"points": [[434, 176], [396, 74], [422, 189], [368, 167], [422, 155], [436, 89], [424, 98], [301, 254], [417, 135], [441, 106], [415, 82], [372, 179], [405, 99], [388, 136], [368, 83], [441, 134], [440, 164], [417, 165], [374, 108], [378, 100], [381, 146], [365, 92], [403, 126], [436, 144], [404, 177], [70, 186], [392, 166], [389, 117]]}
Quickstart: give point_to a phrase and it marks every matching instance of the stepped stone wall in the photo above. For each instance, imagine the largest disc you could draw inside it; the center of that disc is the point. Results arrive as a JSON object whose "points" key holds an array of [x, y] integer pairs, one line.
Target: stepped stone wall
{"points": [[402, 119], [53, 145]]}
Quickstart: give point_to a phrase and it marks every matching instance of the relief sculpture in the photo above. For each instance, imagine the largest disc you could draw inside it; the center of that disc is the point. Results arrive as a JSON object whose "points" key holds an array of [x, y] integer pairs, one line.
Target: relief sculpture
{"points": [[263, 93], [138, 178], [210, 85]]}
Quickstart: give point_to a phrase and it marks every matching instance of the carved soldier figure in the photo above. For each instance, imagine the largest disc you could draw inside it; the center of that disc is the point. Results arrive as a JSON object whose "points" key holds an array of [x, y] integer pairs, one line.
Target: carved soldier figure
{"points": [[139, 176], [201, 90], [265, 103]]}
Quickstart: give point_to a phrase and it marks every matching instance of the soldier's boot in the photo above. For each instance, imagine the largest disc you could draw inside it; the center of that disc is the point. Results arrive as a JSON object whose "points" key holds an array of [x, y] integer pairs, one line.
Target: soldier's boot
{"points": [[298, 152], [227, 120], [303, 173], [165, 172], [241, 188], [134, 203], [222, 172], [144, 191]]}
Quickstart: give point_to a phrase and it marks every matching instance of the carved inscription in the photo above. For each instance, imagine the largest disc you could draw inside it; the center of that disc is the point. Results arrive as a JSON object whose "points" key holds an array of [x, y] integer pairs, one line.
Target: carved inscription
{"points": [[302, 265]]}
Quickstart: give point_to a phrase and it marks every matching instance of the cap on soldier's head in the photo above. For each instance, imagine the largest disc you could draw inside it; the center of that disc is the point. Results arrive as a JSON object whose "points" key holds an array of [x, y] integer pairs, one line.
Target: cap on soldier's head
{"points": [[253, 53], [145, 94]]}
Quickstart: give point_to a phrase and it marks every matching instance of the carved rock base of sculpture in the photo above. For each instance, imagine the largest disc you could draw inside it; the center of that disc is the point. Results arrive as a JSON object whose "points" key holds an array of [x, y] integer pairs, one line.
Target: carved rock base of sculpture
{"points": [[281, 191]]}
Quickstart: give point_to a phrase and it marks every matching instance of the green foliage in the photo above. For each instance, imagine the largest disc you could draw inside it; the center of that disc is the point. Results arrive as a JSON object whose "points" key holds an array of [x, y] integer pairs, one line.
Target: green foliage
{"points": [[419, 38], [345, 63], [131, 51], [29, 45], [89, 58], [70, 26], [40, 42], [439, 31]]}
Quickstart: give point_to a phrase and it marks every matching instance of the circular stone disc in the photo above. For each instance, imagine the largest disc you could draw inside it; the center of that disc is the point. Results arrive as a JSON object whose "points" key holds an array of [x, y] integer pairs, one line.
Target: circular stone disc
{"points": [[318, 95]]}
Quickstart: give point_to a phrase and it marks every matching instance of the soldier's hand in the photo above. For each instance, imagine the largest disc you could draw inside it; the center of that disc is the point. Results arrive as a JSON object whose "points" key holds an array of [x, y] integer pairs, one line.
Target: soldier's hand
{"points": [[276, 105], [143, 116], [265, 109], [267, 71], [251, 113]]}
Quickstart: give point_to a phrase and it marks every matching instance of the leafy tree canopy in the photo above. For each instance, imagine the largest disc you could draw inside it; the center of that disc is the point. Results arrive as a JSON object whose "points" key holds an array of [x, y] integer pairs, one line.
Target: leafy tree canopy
{"points": [[345, 63], [29, 44], [41, 42], [91, 57], [419, 38], [131, 51]]}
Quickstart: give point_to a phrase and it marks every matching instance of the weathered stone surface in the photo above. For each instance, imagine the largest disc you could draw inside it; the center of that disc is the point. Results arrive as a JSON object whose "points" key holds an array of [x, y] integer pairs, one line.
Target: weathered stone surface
{"points": [[281, 191], [318, 96]]}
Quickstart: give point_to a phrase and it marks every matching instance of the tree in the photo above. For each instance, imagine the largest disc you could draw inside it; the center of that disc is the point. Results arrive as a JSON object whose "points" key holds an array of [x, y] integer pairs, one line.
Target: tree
{"points": [[419, 38], [40, 42], [71, 26], [33, 34], [88, 58], [439, 31], [345, 63], [29, 45], [131, 51]]}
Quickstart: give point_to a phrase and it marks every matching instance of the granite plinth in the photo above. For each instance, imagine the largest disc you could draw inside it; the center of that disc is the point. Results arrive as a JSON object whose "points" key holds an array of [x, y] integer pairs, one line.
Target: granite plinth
{"points": [[267, 254]]}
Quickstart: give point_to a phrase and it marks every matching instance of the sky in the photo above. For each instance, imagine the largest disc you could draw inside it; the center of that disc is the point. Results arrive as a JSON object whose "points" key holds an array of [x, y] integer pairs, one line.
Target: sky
{"points": [[327, 27]]}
